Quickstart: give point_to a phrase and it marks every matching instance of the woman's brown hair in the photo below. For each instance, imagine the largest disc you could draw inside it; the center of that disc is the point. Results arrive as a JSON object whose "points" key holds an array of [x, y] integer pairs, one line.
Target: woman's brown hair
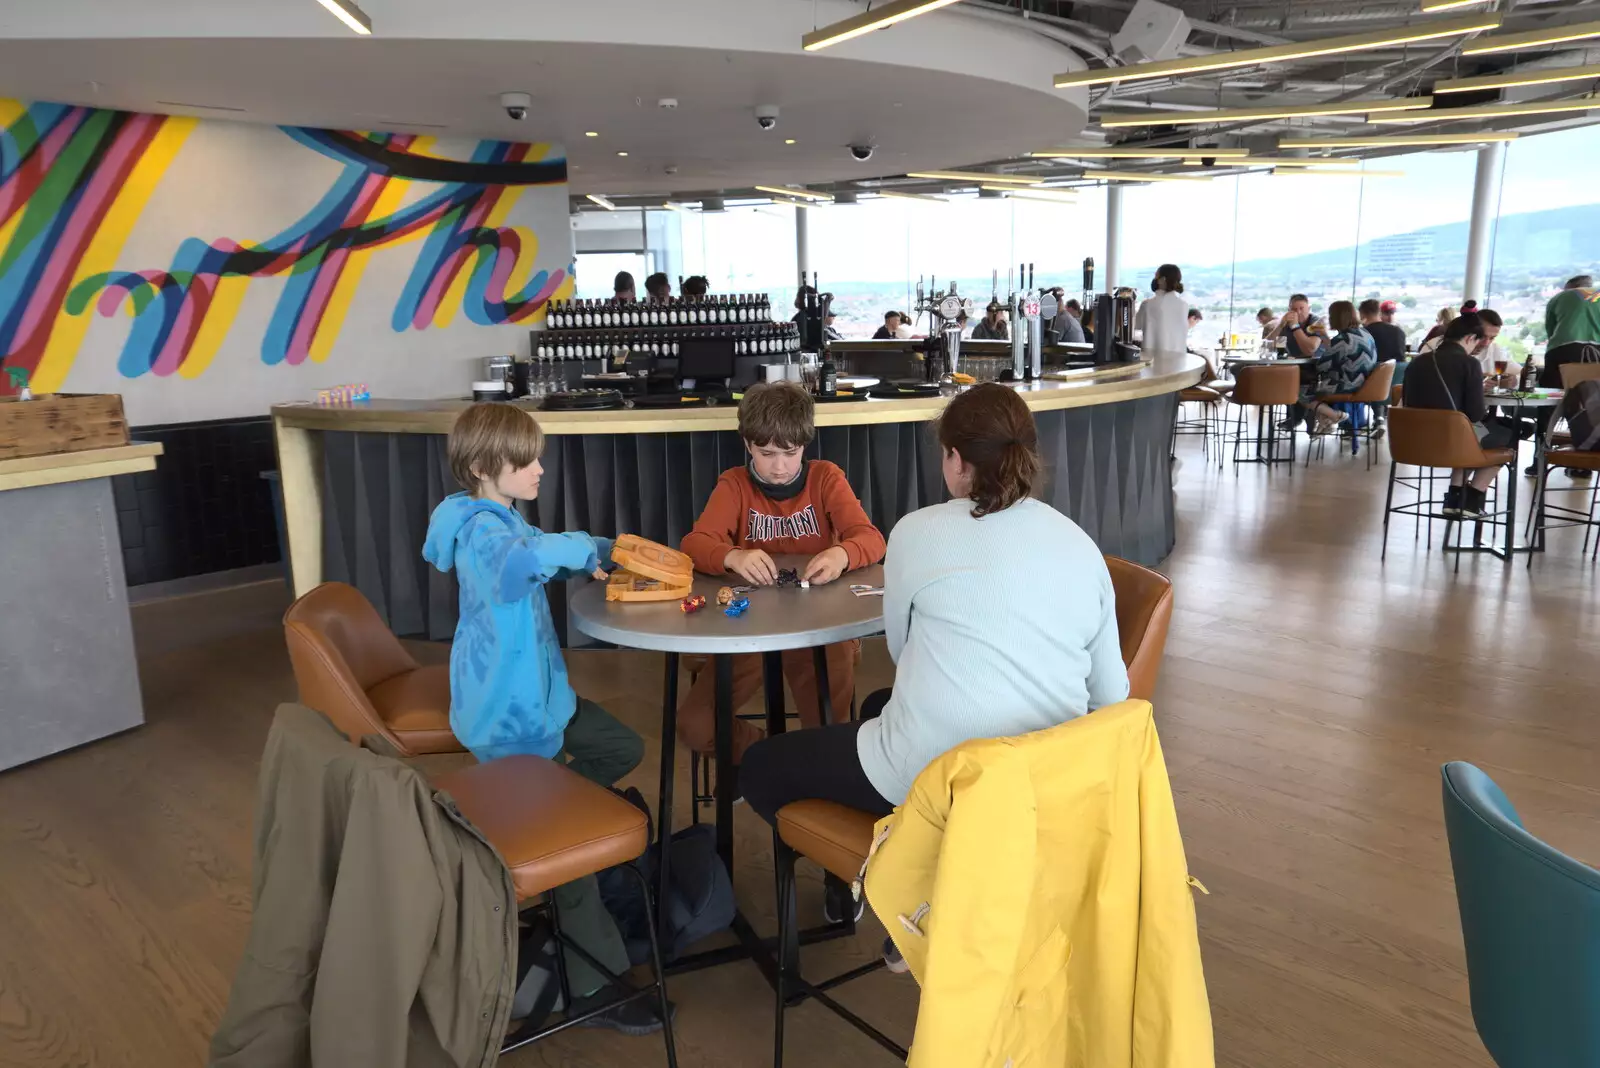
{"points": [[992, 429], [488, 436], [1170, 276], [1342, 315]]}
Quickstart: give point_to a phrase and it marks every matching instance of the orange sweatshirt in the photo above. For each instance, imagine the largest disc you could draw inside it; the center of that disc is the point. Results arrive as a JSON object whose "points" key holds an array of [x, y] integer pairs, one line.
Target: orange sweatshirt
{"points": [[823, 514]]}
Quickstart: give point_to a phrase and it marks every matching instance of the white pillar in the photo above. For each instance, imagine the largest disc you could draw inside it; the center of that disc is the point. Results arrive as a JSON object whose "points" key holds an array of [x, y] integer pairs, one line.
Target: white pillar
{"points": [[1481, 228], [1113, 234], [802, 246]]}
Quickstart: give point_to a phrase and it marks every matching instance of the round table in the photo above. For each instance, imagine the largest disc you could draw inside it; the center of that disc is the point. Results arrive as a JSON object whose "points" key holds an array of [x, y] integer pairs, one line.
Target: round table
{"points": [[1513, 405], [778, 618], [1262, 361]]}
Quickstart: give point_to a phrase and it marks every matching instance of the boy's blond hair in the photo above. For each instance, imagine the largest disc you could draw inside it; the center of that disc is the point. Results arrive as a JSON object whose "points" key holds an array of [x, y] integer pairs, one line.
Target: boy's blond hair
{"points": [[777, 413], [488, 436]]}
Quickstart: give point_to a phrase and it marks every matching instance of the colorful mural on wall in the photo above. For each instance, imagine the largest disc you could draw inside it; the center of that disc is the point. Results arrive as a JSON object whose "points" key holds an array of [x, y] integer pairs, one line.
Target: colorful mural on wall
{"points": [[75, 181]]}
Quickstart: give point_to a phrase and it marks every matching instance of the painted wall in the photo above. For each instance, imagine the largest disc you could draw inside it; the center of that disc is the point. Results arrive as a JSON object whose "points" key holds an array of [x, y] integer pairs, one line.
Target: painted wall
{"points": [[207, 270]]}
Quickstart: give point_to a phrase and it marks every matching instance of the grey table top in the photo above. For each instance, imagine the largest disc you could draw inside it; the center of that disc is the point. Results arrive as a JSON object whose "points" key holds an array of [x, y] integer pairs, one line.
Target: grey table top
{"points": [[778, 618], [1511, 400], [1261, 361]]}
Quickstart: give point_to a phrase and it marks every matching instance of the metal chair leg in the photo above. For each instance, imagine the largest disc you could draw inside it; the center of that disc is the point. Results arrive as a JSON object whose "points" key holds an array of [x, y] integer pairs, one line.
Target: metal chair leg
{"points": [[663, 1005], [783, 861], [1388, 505]]}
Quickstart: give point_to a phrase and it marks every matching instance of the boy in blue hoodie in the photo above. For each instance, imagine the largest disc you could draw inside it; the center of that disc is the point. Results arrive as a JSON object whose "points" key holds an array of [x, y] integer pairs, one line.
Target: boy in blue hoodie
{"points": [[508, 682]]}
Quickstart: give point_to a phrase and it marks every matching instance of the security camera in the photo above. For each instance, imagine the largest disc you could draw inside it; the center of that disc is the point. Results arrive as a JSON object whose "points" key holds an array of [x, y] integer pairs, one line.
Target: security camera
{"points": [[766, 116], [516, 104], [1208, 161], [861, 152]]}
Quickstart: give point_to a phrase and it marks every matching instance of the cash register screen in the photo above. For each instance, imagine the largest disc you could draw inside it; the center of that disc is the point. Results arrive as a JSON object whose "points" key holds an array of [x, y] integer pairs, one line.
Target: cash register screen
{"points": [[706, 358]]}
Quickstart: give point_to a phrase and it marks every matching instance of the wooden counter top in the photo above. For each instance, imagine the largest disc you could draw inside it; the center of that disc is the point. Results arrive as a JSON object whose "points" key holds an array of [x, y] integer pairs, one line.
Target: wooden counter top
{"points": [[54, 468], [1108, 385]]}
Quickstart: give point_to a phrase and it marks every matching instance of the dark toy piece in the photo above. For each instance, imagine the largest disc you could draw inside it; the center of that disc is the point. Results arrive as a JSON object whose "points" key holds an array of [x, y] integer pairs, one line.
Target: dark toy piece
{"points": [[788, 576]]}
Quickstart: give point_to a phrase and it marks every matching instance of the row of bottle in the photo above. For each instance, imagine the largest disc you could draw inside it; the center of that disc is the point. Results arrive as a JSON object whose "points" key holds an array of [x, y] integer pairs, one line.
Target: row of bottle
{"points": [[709, 310], [776, 340]]}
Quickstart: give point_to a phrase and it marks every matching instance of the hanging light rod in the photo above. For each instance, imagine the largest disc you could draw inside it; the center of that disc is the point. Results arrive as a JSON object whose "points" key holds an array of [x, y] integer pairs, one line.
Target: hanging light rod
{"points": [[1401, 140], [1515, 78], [1139, 176], [1291, 161], [1050, 196], [976, 176], [803, 193], [1337, 174], [1511, 42], [602, 201], [1428, 30], [1119, 119], [1449, 5], [792, 203], [910, 196], [348, 13], [1138, 153], [676, 205], [1493, 111], [880, 17]]}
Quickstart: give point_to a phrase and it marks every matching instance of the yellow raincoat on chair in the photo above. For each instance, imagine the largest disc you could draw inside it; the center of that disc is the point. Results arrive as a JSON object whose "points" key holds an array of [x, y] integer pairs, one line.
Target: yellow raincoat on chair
{"points": [[1037, 887]]}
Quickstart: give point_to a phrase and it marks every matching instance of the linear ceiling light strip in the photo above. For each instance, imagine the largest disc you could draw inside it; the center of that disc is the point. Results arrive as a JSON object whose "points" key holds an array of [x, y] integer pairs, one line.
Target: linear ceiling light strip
{"points": [[1511, 42], [975, 176], [1492, 111], [1139, 153], [1516, 78], [805, 194], [1120, 119], [1427, 30], [1400, 141], [880, 17]]}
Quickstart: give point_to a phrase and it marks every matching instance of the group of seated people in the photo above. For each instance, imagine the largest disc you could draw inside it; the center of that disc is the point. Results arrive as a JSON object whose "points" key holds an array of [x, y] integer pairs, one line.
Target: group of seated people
{"points": [[1051, 650]]}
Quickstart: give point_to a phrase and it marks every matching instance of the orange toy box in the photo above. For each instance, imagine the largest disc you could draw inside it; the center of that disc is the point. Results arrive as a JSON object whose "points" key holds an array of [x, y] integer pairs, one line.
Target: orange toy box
{"points": [[648, 571]]}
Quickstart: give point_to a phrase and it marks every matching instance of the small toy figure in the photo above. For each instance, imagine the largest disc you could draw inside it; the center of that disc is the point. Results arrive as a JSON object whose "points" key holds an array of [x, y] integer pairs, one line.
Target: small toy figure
{"points": [[725, 595], [788, 576], [692, 603], [737, 607]]}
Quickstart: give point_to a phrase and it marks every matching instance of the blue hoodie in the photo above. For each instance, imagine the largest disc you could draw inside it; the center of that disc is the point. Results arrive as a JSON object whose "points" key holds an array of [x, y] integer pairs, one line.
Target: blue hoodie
{"points": [[508, 683]]}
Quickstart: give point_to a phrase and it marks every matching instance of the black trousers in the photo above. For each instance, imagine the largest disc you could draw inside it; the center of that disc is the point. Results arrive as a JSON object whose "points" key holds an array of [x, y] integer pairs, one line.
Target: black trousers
{"points": [[819, 763]]}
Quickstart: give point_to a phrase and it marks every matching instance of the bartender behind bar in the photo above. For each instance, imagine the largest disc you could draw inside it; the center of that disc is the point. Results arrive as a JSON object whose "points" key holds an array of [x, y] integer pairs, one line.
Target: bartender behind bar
{"points": [[993, 326]]}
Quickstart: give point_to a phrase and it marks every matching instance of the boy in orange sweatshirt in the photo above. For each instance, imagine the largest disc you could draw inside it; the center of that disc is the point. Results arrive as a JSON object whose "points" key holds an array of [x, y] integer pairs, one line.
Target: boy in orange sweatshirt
{"points": [[779, 502]]}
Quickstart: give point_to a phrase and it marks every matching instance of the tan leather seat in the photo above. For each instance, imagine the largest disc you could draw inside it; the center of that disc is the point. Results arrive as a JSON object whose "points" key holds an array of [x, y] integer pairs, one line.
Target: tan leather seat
{"points": [[1144, 612], [1439, 437], [1267, 386], [352, 669], [1375, 390], [1199, 395], [549, 824], [1573, 458], [838, 838]]}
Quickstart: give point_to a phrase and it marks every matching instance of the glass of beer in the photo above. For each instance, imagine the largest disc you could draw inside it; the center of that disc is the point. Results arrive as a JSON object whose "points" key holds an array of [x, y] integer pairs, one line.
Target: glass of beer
{"points": [[1500, 366]]}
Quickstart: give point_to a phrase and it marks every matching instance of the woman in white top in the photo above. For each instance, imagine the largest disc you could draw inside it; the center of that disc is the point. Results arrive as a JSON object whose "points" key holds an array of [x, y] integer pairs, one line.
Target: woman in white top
{"points": [[1163, 320]]}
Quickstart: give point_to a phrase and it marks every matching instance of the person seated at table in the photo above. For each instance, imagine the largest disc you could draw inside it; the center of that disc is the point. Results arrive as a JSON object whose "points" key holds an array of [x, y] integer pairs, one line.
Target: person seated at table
{"points": [[509, 692], [1305, 337], [1341, 367], [1440, 321], [1449, 376], [777, 502], [999, 615], [1268, 323], [1377, 319], [893, 327], [993, 325]]}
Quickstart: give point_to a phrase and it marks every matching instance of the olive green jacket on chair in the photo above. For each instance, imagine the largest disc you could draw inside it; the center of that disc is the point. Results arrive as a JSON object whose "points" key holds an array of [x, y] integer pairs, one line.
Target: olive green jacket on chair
{"points": [[1038, 890], [384, 926]]}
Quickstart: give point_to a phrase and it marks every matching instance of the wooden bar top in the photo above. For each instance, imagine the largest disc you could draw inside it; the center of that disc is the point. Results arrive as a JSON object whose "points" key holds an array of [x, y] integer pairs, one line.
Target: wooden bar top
{"points": [[1081, 388], [57, 467]]}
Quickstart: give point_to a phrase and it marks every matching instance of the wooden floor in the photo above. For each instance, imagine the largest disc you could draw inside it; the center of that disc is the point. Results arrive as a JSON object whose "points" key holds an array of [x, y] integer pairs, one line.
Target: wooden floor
{"points": [[1308, 697]]}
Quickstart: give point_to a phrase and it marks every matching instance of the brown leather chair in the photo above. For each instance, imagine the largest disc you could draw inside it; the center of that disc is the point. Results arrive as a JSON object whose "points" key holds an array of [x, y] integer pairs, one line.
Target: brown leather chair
{"points": [[838, 838], [1144, 612], [1436, 438], [1377, 389], [1209, 397], [1266, 388], [352, 669]]}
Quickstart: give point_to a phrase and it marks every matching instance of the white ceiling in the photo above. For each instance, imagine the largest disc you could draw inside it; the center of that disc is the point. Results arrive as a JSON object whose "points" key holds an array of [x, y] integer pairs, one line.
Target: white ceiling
{"points": [[940, 90]]}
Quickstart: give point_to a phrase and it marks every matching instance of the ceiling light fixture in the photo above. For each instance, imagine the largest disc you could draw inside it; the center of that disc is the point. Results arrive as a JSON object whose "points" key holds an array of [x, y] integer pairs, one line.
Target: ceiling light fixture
{"points": [[602, 201], [1401, 141], [1138, 153], [788, 140], [348, 13], [1448, 5], [622, 153], [804, 193], [1297, 173], [1514, 79], [877, 18], [1493, 111], [591, 133], [675, 205], [1139, 176], [1120, 119], [976, 176], [1292, 161], [910, 196], [1051, 196], [791, 203], [1511, 42], [1251, 57]]}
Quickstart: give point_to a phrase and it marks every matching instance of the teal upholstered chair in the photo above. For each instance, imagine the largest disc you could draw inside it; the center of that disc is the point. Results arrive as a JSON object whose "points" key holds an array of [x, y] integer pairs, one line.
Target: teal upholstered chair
{"points": [[1530, 918]]}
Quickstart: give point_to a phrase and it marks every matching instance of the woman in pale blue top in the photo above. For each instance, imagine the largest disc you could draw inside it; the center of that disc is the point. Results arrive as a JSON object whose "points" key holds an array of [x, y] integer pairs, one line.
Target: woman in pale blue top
{"points": [[1000, 618]]}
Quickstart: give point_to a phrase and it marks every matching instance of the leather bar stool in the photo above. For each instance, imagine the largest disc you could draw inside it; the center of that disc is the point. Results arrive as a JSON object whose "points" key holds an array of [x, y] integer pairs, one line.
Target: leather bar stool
{"points": [[838, 838], [1264, 388], [1440, 438], [1209, 399], [352, 669], [552, 826], [1375, 390]]}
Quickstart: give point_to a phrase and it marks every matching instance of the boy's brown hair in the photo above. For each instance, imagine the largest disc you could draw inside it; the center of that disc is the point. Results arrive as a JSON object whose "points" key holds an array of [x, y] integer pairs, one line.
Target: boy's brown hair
{"points": [[489, 435], [777, 413]]}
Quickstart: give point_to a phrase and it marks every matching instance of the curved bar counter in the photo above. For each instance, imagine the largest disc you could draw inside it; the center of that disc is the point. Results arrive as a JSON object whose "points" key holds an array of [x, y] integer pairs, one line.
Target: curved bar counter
{"points": [[360, 481]]}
